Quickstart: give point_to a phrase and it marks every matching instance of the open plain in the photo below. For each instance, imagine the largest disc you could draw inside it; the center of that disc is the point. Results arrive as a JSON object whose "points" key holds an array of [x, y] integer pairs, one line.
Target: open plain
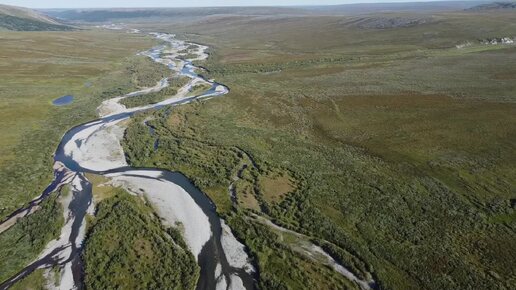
{"points": [[326, 147]]}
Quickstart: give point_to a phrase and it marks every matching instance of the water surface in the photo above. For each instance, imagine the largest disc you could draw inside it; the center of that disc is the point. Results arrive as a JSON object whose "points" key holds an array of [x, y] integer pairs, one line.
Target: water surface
{"points": [[62, 101]]}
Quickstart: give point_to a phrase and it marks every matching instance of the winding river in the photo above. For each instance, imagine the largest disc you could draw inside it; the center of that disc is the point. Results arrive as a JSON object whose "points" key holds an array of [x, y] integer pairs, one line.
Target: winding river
{"points": [[94, 147]]}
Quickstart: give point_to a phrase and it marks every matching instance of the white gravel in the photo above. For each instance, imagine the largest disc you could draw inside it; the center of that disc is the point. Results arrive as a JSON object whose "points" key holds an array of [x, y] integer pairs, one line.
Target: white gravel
{"points": [[171, 202], [338, 268], [111, 107], [234, 250], [236, 283], [98, 147], [66, 282], [220, 279]]}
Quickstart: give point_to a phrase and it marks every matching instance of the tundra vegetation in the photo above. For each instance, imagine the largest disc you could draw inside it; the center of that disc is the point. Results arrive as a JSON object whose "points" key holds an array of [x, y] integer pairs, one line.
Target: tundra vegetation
{"points": [[212, 168], [394, 148], [35, 281]]}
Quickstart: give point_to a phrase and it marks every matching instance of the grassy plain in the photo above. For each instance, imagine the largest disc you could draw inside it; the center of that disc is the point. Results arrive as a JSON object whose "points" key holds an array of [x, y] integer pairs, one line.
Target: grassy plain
{"points": [[37, 67], [401, 145]]}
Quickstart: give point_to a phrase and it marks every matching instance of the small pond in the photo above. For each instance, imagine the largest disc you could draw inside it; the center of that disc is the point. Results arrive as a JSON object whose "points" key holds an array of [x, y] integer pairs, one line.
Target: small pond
{"points": [[64, 100]]}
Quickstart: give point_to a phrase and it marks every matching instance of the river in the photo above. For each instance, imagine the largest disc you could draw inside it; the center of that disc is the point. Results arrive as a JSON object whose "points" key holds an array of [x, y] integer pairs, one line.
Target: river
{"points": [[94, 147]]}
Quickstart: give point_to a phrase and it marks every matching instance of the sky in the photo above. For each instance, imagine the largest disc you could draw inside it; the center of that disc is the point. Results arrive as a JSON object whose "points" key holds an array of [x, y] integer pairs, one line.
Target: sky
{"points": [[176, 3]]}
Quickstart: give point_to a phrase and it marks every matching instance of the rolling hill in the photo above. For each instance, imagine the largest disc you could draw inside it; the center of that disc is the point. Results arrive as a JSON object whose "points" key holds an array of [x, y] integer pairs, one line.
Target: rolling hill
{"points": [[24, 19], [188, 14]]}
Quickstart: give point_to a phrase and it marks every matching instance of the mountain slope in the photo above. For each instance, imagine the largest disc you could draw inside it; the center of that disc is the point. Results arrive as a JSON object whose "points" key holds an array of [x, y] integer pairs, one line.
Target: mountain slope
{"points": [[24, 19]]}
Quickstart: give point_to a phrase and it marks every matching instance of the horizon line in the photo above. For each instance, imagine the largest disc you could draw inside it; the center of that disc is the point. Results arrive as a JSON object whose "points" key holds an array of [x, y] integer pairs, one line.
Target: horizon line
{"points": [[266, 6]]}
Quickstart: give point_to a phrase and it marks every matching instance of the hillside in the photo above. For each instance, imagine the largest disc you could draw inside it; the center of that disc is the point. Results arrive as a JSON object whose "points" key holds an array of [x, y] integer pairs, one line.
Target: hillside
{"points": [[24, 19], [130, 14], [494, 6]]}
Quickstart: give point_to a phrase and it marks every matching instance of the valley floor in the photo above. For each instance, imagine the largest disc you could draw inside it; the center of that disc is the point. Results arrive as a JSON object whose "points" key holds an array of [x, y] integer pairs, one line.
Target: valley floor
{"points": [[344, 155]]}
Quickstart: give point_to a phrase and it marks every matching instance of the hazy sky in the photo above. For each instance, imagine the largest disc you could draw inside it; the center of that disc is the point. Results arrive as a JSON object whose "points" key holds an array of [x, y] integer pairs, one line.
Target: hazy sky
{"points": [[175, 3]]}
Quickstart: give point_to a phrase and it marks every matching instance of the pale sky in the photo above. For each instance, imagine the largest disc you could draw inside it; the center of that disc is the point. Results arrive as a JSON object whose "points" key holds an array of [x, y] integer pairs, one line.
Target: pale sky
{"points": [[176, 3]]}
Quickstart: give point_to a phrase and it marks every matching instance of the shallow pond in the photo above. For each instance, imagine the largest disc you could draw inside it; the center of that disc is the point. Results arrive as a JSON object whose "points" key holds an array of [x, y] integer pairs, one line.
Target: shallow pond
{"points": [[64, 100]]}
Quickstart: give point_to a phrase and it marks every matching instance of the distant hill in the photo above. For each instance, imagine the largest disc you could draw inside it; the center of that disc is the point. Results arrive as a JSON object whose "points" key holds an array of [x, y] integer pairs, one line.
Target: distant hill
{"points": [[494, 6], [129, 14], [24, 19], [424, 7]]}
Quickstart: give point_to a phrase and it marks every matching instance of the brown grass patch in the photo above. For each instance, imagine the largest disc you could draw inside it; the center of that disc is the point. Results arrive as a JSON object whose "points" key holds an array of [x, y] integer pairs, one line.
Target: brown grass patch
{"points": [[176, 120], [276, 186]]}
